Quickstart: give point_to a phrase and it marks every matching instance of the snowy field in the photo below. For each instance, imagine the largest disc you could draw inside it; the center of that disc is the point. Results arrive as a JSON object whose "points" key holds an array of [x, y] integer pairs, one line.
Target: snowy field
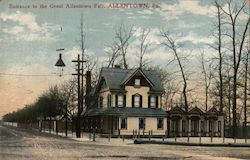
{"points": [[22, 144]]}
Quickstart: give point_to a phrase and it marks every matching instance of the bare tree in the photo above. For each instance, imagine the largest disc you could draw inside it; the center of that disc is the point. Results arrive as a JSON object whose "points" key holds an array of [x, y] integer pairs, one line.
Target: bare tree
{"points": [[122, 41], [219, 49], [173, 46], [113, 55], [232, 12], [68, 96], [143, 47], [245, 91], [207, 74]]}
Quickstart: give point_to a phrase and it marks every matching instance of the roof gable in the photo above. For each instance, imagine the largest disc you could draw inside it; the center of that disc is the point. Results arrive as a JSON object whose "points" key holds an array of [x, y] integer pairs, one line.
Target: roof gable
{"points": [[115, 77], [133, 73], [177, 110], [195, 110], [213, 110]]}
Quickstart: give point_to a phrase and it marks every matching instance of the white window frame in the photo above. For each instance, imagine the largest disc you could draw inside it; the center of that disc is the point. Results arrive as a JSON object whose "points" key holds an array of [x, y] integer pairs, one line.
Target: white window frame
{"points": [[137, 101], [120, 100], [153, 101], [137, 82]]}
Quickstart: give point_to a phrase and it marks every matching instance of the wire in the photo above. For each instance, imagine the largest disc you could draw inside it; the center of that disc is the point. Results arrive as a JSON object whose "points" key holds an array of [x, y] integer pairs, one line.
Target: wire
{"points": [[35, 75]]}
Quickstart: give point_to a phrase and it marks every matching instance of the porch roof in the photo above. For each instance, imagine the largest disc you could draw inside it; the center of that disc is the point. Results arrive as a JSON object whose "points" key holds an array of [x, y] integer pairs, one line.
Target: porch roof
{"points": [[127, 111]]}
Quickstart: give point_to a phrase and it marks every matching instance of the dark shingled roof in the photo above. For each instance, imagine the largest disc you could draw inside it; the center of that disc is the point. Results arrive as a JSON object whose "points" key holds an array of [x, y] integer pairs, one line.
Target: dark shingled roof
{"points": [[115, 77], [127, 111]]}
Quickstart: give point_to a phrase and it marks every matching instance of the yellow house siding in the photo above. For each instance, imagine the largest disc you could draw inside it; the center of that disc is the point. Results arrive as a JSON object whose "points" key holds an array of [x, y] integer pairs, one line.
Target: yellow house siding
{"points": [[143, 91], [105, 98]]}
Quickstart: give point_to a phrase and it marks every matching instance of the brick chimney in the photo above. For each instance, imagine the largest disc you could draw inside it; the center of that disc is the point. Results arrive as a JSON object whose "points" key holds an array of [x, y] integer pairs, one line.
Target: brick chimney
{"points": [[88, 82]]}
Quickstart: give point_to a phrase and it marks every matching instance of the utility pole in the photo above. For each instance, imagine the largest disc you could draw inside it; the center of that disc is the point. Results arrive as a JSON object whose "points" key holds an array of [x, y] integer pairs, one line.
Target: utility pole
{"points": [[80, 95], [245, 96]]}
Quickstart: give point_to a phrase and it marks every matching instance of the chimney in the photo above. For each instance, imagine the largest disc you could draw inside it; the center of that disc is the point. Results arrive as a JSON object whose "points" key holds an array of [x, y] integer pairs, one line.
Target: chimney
{"points": [[88, 82]]}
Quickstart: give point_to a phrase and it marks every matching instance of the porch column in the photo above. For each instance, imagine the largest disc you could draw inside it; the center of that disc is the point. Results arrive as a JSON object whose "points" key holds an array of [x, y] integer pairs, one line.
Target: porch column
{"points": [[189, 127], [199, 128], [207, 128], [180, 134]]}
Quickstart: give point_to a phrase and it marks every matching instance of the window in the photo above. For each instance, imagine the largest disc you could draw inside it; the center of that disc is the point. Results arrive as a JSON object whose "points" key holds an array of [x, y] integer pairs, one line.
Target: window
{"points": [[100, 101], [120, 100], [137, 82], [152, 101], [136, 100], [123, 123], [109, 101], [160, 123], [141, 123]]}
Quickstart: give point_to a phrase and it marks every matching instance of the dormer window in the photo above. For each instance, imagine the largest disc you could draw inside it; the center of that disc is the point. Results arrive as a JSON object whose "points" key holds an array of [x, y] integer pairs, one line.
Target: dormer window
{"points": [[137, 82]]}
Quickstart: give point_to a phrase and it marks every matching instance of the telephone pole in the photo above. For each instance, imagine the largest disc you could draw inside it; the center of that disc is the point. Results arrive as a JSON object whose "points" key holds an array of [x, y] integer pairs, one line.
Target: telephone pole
{"points": [[79, 74]]}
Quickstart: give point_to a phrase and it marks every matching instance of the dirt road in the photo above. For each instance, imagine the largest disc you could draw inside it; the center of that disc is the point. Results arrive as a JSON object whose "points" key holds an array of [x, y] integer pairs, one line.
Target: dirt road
{"points": [[25, 144]]}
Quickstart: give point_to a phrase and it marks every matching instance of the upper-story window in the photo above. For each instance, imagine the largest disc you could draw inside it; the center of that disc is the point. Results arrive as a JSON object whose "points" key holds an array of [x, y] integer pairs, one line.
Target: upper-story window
{"points": [[153, 101], [109, 103], [120, 100], [137, 82], [136, 100], [100, 101]]}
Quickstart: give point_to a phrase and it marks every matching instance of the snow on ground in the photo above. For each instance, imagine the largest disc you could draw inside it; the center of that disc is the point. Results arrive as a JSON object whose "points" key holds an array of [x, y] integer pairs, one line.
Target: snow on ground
{"points": [[42, 146]]}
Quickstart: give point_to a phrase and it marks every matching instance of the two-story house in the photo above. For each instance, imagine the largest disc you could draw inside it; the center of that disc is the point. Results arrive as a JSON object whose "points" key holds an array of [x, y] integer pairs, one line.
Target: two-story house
{"points": [[126, 101]]}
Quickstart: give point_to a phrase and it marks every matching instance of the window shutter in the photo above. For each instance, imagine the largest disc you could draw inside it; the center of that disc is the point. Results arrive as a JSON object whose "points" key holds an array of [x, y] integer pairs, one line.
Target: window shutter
{"points": [[149, 104], [156, 101], [124, 100], [140, 101], [133, 101], [116, 100]]}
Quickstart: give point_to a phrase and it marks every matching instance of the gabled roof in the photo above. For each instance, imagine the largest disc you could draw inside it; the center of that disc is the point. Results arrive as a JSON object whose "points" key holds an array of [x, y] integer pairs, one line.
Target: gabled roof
{"points": [[115, 77], [177, 110], [132, 73], [213, 111], [195, 110]]}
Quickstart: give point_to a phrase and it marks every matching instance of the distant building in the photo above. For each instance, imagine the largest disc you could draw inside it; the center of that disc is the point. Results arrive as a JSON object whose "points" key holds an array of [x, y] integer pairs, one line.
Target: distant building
{"points": [[195, 122], [126, 101]]}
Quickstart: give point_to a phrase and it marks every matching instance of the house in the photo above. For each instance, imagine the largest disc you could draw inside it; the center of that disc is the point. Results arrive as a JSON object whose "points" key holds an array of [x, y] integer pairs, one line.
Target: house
{"points": [[195, 122], [126, 101]]}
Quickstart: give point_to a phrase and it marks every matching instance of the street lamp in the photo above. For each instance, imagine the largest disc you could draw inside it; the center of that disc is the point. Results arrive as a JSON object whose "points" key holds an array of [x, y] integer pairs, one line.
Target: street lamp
{"points": [[60, 64]]}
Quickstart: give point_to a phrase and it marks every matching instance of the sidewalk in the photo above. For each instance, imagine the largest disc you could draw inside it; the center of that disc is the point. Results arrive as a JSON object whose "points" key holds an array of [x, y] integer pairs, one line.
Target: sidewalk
{"points": [[197, 141], [185, 141]]}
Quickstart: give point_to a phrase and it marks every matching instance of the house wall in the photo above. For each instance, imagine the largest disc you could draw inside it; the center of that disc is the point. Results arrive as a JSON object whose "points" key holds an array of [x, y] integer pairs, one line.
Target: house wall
{"points": [[143, 91], [131, 90], [150, 124]]}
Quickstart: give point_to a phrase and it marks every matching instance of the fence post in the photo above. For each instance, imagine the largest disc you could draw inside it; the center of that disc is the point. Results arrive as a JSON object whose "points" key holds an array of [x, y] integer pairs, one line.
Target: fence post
{"points": [[149, 136], [200, 139], [94, 137]]}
